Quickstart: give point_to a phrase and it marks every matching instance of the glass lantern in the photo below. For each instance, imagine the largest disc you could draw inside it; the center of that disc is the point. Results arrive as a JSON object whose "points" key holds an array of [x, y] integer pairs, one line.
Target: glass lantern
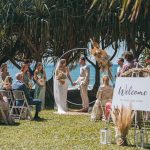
{"points": [[105, 136], [141, 138]]}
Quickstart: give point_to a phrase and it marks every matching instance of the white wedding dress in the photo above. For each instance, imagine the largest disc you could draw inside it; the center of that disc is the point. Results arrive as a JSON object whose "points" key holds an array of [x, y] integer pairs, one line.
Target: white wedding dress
{"points": [[60, 95]]}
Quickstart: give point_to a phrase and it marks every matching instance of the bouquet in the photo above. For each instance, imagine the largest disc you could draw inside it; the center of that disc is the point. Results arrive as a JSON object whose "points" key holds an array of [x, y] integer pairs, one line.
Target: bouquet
{"points": [[60, 76], [41, 82], [30, 85]]}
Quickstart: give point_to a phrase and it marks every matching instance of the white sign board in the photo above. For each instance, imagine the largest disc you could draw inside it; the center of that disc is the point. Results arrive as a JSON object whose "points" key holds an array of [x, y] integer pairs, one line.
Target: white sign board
{"points": [[134, 91]]}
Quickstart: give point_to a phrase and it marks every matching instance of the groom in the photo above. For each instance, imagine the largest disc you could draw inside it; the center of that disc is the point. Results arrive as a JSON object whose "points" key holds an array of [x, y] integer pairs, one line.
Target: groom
{"points": [[83, 81]]}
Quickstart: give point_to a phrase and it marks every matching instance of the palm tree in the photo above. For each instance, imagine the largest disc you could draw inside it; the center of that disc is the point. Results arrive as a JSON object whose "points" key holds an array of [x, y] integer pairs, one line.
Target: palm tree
{"points": [[131, 24]]}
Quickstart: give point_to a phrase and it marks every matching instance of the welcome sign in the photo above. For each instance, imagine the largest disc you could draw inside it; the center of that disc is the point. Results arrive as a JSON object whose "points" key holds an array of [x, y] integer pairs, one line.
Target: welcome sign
{"points": [[134, 91]]}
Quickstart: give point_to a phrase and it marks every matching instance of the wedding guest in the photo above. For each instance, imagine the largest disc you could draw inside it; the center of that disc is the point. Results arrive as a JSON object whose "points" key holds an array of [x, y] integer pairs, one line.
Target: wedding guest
{"points": [[4, 71], [5, 107], [83, 81], [19, 85], [40, 86], [104, 95], [27, 62], [26, 76], [130, 63], [7, 84], [120, 63]]}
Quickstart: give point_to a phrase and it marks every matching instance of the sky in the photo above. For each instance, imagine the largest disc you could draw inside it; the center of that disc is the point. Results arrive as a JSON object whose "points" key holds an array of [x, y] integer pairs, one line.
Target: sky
{"points": [[118, 55]]}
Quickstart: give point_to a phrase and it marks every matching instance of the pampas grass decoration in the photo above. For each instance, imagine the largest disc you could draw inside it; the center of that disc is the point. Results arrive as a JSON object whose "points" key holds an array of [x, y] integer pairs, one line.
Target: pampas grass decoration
{"points": [[122, 118]]}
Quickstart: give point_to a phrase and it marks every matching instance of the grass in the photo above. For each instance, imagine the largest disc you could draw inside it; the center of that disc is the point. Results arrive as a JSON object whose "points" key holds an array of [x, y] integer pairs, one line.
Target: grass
{"points": [[57, 132]]}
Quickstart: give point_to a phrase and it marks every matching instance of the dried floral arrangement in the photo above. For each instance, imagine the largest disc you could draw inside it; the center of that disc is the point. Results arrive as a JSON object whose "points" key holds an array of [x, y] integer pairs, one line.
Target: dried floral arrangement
{"points": [[122, 118], [102, 58], [136, 71]]}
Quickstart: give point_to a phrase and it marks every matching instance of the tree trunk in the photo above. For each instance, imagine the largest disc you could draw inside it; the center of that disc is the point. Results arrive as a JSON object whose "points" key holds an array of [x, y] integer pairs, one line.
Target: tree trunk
{"points": [[3, 60], [97, 78], [49, 95]]}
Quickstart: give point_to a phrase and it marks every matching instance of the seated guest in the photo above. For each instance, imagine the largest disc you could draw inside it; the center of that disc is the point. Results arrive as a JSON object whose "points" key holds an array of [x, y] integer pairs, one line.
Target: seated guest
{"points": [[104, 95], [131, 63], [5, 106], [4, 71], [19, 85], [7, 84]]}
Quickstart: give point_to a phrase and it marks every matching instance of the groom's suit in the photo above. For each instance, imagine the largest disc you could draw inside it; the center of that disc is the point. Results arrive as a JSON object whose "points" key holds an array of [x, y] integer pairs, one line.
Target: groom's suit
{"points": [[83, 81]]}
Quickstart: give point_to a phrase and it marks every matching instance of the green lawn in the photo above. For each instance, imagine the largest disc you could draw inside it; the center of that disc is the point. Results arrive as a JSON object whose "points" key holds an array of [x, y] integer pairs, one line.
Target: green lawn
{"points": [[56, 132]]}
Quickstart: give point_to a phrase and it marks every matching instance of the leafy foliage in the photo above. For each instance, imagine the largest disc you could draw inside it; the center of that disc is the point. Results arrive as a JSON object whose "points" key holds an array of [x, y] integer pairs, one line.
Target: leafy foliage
{"points": [[129, 21], [35, 29]]}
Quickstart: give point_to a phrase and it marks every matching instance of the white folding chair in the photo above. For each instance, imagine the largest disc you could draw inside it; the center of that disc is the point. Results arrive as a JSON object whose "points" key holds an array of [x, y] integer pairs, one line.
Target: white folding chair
{"points": [[9, 96], [17, 110], [3, 115]]}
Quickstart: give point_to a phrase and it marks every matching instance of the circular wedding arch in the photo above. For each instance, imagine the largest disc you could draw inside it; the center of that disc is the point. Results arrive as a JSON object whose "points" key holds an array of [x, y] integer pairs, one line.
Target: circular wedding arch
{"points": [[71, 50], [74, 49]]}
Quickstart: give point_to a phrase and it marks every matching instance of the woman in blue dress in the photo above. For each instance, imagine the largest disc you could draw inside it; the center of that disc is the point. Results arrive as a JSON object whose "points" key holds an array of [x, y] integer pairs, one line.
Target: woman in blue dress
{"points": [[40, 86], [27, 78]]}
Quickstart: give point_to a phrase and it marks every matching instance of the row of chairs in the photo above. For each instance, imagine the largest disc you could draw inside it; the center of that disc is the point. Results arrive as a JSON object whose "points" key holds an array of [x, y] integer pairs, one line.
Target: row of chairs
{"points": [[16, 111]]}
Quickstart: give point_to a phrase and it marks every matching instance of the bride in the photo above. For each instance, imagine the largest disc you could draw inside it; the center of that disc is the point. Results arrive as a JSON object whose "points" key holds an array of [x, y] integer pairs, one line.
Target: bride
{"points": [[61, 86]]}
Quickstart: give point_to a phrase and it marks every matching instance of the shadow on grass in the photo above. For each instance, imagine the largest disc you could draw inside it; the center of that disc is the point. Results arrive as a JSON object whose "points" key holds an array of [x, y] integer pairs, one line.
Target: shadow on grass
{"points": [[146, 147], [41, 120], [15, 124], [129, 145]]}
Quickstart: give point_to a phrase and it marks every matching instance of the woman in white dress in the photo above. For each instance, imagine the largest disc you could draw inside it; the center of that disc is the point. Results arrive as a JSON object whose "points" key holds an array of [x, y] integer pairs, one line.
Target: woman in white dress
{"points": [[61, 86]]}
